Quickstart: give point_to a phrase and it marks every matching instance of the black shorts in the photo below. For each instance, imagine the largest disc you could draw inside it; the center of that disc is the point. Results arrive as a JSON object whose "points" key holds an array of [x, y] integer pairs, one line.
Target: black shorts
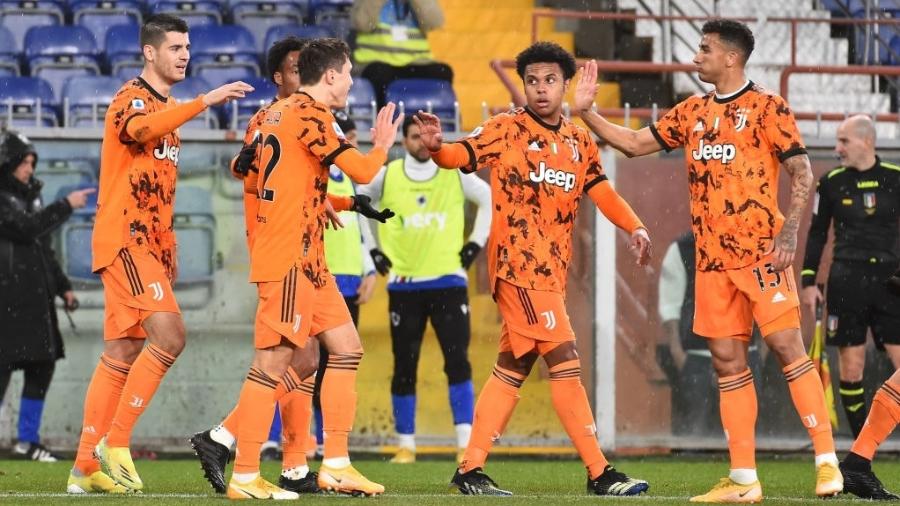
{"points": [[858, 299]]}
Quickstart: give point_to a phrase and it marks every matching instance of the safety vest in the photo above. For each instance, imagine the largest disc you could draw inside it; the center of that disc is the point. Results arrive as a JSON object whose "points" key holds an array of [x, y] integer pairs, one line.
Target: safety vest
{"points": [[395, 45], [343, 251], [425, 237]]}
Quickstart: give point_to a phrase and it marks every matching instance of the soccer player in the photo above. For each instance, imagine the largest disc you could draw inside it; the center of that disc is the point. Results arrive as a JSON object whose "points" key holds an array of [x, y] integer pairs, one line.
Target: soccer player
{"points": [[213, 446], [734, 140], [858, 198], [425, 253], [299, 140], [541, 166], [134, 253]]}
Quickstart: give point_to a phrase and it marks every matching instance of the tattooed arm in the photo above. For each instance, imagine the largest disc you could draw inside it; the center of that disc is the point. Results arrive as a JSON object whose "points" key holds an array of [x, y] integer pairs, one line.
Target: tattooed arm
{"points": [[801, 184]]}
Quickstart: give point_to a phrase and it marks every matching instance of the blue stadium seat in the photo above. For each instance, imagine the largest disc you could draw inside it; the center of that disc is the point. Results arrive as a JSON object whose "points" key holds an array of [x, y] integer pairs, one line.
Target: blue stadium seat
{"points": [[895, 47], [300, 31], [361, 103], [188, 89], [123, 54], [98, 15], [76, 239], [60, 179], [88, 98], [195, 13], [260, 15], [27, 101], [238, 112], [223, 53], [333, 14], [195, 228], [9, 56], [432, 95], [56, 53], [20, 16]]}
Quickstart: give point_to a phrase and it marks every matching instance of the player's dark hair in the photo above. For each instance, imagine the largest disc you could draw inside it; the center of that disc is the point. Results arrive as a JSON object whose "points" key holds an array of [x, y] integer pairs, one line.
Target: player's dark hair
{"points": [[155, 27], [732, 32], [279, 51], [546, 52], [320, 55], [408, 121]]}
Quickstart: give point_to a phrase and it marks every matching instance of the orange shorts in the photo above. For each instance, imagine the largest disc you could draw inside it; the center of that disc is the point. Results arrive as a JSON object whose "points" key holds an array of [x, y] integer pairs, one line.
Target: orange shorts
{"points": [[135, 286], [728, 302], [532, 319], [295, 309]]}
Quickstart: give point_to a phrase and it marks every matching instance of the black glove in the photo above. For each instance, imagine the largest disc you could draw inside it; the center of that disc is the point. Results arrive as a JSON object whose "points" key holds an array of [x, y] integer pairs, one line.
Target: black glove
{"points": [[245, 158], [362, 204], [468, 253], [893, 283], [382, 262]]}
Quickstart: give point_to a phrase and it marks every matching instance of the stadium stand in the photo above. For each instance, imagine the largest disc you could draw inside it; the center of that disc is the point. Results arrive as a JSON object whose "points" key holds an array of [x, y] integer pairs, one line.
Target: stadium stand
{"points": [[195, 226], [195, 13], [224, 53], [85, 99], [259, 16], [56, 53], [99, 16], [123, 57], [27, 101], [300, 31], [9, 57], [432, 95], [19, 17], [238, 112], [362, 103]]}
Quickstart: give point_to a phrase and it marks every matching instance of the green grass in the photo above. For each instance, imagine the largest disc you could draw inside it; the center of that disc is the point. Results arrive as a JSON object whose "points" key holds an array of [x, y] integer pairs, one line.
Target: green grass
{"points": [[672, 481]]}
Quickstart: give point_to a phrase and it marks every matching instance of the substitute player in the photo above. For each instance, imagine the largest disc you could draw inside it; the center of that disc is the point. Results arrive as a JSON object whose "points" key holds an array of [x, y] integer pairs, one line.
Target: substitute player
{"points": [[134, 253], [299, 139], [541, 166], [213, 446], [860, 199], [734, 140]]}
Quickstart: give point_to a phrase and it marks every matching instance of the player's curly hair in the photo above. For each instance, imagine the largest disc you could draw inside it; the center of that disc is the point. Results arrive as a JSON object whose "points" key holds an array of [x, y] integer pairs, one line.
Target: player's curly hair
{"points": [[279, 51], [546, 52], [732, 32], [319, 55]]}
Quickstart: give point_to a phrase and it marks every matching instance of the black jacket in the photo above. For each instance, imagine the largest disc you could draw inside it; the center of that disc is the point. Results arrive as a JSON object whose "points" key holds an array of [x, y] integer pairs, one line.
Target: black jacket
{"points": [[30, 276]]}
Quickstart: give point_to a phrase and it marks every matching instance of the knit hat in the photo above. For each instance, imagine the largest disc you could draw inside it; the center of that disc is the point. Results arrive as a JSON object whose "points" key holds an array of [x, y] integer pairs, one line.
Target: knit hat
{"points": [[14, 147]]}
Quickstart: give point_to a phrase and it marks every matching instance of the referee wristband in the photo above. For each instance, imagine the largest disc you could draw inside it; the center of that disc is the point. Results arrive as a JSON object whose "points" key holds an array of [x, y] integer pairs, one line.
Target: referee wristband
{"points": [[807, 278]]}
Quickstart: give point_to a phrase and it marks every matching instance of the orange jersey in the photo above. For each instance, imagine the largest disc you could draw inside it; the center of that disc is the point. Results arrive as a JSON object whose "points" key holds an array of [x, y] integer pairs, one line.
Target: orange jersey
{"points": [[251, 197], [539, 173], [733, 147], [300, 139], [137, 181]]}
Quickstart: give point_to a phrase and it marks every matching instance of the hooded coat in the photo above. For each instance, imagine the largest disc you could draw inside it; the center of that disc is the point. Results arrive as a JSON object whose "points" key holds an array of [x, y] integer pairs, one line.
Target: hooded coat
{"points": [[30, 276]]}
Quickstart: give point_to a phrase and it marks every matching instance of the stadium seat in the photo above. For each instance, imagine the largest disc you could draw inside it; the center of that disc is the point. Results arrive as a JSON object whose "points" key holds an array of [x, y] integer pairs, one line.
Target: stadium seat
{"points": [[432, 95], [223, 53], [332, 14], [61, 178], [123, 55], [98, 15], [20, 16], [188, 89], [362, 103], [9, 56], [76, 251], [895, 48], [238, 112], [27, 101], [260, 15], [87, 98], [56, 53], [195, 13], [300, 31], [195, 228]]}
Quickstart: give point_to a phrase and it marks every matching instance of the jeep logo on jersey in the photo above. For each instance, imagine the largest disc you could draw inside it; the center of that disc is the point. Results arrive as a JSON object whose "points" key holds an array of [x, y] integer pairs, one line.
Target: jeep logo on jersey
{"points": [[166, 151], [565, 180], [723, 152]]}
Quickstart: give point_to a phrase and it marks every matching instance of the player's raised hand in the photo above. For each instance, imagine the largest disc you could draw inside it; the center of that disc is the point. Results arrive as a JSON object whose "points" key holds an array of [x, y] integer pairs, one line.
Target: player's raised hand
{"points": [[429, 130], [384, 133], [227, 92], [641, 246], [586, 89]]}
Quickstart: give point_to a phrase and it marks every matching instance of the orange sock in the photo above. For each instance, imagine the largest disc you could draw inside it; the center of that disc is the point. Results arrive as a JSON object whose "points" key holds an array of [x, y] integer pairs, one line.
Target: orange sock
{"points": [[737, 406], [571, 404], [256, 407], [99, 405], [339, 402], [290, 381], [146, 374], [809, 400], [231, 421], [495, 406], [296, 412], [884, 416]]}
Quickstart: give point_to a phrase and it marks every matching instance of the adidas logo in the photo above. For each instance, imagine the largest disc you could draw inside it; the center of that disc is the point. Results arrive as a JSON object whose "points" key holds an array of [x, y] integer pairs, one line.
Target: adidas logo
{"points": [[778, 297], [534, 146]]}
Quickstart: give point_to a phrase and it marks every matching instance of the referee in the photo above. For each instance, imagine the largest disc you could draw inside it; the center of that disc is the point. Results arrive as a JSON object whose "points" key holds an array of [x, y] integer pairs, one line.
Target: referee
{"points": [[862, 199], [426, 256]]}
